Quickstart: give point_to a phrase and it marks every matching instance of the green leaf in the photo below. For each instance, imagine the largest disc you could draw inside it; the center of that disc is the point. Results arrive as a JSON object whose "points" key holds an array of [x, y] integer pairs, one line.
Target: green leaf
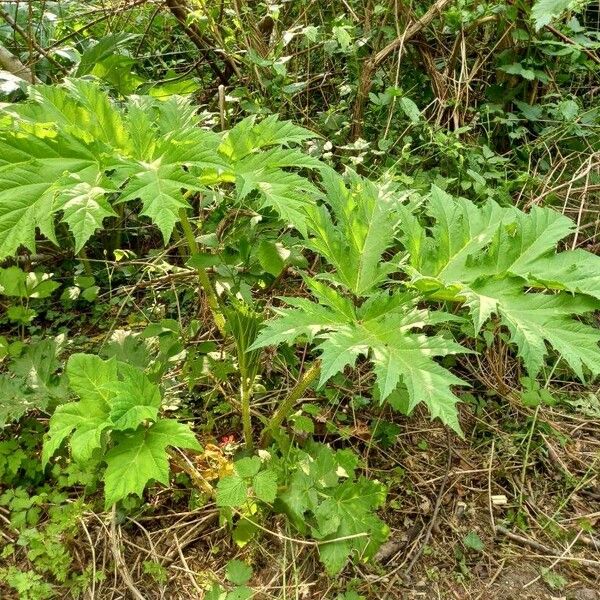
{"points": [[21, 314], [410, 109], [536, 319], [84, 209], [248, 136], [104, 48], [543, 12], [380, 330], [84, 422], [136, 399], [90, 377], [15, 282], [365, 223], [473, 541], [15, 401], [264, 485], [519, 69], [240, 593], [141, 456], [348, 512], [160, 187], [577, 271], [288, 194], [38, 367], [307, 320], [238, 572], [485, 257], [272, 257], [27, 201], [461, 230], [232, 491], [341, 516], [247, 467]]}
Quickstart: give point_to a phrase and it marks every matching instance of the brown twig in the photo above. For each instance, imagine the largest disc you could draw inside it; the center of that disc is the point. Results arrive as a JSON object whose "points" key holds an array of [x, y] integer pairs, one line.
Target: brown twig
{"points": [[13, 65], [523, 541], [432, 521], [180, 11], [118, 557], [373, 63], [32, 41]]}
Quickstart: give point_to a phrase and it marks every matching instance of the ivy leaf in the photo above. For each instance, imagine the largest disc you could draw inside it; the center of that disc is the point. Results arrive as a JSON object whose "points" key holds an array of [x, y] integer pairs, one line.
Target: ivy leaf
{"points": [[141, 456]]}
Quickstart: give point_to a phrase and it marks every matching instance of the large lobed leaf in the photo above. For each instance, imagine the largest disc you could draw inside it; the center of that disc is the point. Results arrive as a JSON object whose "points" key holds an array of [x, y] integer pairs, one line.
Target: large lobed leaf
{"points": [[502, 261], [119, 400], [381, 330], [72, 151], [141, 456]]}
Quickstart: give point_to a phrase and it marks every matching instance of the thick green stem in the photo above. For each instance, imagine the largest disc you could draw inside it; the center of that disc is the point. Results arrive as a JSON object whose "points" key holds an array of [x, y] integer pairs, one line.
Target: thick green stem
{"points": [[85, 261], [286, 407], [209, 291], [245, 394]]}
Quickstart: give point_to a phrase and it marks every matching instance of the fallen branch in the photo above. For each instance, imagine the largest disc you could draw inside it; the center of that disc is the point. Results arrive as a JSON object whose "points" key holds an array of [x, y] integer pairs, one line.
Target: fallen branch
{"points": [[523, 541], [567, 40]]}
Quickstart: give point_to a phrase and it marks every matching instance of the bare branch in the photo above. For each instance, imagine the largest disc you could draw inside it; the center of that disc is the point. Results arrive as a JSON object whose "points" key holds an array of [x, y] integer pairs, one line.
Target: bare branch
{"points": [[9, 62]]}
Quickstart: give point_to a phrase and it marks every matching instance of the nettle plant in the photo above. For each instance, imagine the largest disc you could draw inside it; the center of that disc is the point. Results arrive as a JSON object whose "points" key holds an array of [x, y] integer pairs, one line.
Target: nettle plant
{"points": [[385, 303]]}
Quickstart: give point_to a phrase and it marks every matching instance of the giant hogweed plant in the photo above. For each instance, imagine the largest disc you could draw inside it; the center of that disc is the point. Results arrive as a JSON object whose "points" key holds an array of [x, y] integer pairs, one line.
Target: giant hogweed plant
{"points": [[74, 156], [400, 285], [394, 305]]}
